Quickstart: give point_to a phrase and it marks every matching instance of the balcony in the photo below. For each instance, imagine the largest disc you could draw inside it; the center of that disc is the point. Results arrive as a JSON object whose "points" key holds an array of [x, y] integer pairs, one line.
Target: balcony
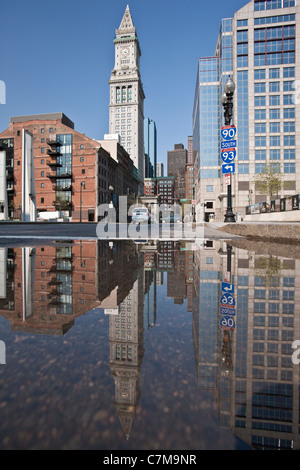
{"points": [[53, 140], [9, 174], [64, 174], [62, 188], [54, 163], [53, 152]]}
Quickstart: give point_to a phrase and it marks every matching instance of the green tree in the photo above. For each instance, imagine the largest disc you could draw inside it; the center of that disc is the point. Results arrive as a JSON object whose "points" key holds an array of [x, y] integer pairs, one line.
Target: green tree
{"points": [[270, 181]]}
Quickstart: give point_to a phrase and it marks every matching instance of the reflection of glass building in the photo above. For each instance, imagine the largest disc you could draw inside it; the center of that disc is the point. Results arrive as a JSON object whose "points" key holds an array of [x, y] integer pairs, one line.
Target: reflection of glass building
{"points": [[250, 369], [257, 48]]}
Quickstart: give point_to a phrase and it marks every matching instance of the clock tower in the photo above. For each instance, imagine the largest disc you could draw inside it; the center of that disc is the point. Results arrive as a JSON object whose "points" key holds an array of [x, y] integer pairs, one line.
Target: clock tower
{"points": [[126, 108]]}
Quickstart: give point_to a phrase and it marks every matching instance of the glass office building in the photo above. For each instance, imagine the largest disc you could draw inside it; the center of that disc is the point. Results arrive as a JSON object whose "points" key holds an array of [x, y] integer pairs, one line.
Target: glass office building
{"points": [[257, 48]]}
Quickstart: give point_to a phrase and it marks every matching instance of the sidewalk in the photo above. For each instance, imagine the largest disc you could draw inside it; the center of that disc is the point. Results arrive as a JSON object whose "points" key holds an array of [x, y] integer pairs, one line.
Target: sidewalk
{"points": [[279, 232]]}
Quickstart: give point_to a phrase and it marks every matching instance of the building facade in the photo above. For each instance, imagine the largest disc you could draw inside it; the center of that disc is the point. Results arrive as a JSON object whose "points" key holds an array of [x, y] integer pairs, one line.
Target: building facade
{"points": [[177, 159], [126, 107], [257, 48], [72, 173], [150, 141], [159, 169]]}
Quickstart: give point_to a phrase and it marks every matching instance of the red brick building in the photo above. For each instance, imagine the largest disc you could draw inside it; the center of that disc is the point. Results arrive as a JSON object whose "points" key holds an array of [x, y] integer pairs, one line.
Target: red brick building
{"points": [[72, 173]]}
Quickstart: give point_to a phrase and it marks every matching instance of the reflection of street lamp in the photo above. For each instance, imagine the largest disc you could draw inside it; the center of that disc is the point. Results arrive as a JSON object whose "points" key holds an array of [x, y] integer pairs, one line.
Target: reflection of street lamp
{"points": [[82, 186], [226, 100], [111, 188]]}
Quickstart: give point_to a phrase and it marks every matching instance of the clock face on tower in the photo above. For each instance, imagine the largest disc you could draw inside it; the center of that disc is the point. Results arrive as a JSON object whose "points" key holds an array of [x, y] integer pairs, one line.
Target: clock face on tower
{"points": [[125, 51]]}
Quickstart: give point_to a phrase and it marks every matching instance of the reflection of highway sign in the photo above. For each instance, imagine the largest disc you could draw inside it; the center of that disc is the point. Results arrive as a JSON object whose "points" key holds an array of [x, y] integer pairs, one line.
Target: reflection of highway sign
{"points": [[228, 168], [228, 144], [227, 311], [227, 323], [227, 179], [228, 156], [226, 287], [227, 300], [228, 132]]}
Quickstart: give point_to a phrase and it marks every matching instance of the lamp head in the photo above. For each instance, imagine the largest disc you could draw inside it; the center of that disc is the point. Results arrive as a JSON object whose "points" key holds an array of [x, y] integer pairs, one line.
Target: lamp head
{"points": [[229, 86]]}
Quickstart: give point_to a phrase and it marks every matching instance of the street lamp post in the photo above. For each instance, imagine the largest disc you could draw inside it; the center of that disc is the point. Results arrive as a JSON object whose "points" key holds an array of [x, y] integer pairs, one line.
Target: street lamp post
{"points": [[82, 186], [227, 102]]}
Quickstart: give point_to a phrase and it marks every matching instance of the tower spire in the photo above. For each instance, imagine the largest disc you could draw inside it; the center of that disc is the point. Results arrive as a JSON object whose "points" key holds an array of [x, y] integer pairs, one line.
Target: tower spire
{"points": [[126, 23]]}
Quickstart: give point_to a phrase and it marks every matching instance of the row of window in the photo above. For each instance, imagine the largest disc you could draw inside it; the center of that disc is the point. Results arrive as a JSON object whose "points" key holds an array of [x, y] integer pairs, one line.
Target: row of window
{"points": [[274, 87], [288, 72], [275, 113], [124, 94], [274, 127], [288, 168], [288, 154], [274, 100], [261, 5], [275, 141]]}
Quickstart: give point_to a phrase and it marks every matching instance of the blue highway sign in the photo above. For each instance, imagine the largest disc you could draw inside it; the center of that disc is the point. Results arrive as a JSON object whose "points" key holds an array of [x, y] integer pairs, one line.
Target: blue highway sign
{"points": [[227, 300], [227, 311], [228, 156], [228, 133], [227, 323], [228, 168], [228, 144], [226, 287]]}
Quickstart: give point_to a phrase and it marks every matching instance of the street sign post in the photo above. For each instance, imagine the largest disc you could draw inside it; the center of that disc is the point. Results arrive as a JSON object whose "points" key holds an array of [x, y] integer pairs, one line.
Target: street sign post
{"points": [[227, 311], [228, 144], [226, 287], [227, 323], [228, 168], [228, 155], [228, 132], [227, 179], [227, 300]]}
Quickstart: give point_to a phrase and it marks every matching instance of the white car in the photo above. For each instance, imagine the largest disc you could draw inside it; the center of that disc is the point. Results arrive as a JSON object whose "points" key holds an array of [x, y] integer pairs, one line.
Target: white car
{"points": [[141, 215]]}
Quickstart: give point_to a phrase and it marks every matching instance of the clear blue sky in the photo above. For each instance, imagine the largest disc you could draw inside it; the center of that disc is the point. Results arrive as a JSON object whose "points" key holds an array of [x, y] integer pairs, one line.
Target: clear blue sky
{"points": [[57, 56]]}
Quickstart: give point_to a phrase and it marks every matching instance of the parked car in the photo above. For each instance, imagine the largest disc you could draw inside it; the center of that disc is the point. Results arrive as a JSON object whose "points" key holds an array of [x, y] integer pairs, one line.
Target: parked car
{"points": [[172, 218], [141, 215]]}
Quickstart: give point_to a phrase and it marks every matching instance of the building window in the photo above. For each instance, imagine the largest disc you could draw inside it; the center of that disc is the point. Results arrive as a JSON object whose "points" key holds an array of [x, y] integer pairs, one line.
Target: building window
{"points": [[42, 185], [42, 200], [274, 87], [42, 150], [42, 161], [243, 168], [83, 171], [81, 146], [289, 168], [42, 173], [274, 140], [274, 154], [81, 159], [274, 127], [50, 129], [260, 155], [260, 168], [289, 154], [42, 131], [209, 188], [274, 113]]}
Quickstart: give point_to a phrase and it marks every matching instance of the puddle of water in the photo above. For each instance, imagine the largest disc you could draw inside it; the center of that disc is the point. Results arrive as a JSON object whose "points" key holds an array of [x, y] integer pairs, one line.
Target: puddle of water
{"points": [[124, 346]]}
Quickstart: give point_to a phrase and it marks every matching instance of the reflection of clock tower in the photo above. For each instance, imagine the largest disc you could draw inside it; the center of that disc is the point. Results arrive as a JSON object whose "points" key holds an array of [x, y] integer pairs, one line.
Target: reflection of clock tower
{"points": [[126, 115]]}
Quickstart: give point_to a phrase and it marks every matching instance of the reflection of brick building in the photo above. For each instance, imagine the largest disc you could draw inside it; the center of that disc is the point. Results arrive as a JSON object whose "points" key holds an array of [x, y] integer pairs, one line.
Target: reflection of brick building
{"points": [[72, 173], [53, 285]]}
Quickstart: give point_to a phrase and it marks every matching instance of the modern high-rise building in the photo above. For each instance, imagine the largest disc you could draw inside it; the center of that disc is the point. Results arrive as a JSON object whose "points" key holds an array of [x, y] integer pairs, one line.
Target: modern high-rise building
{"points": [[177, 160], [150, 143], [126, 108], [257, 48], [159, 169]]}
